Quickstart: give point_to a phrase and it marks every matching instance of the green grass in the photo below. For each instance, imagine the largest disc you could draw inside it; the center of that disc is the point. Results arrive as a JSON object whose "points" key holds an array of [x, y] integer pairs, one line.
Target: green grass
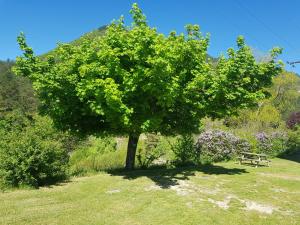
{"points": [[165, 196]]}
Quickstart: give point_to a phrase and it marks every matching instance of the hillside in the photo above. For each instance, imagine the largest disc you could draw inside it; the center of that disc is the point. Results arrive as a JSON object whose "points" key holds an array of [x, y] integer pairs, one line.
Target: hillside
{"points": [[16, 93]]}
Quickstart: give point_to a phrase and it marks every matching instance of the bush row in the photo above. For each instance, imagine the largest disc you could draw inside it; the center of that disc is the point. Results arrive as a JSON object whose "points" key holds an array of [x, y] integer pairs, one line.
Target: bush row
{"points": [[216, 145], [33, 153]]}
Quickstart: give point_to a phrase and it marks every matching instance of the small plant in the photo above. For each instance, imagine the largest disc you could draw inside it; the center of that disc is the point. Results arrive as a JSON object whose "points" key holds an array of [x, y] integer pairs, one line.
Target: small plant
{"points": [[184, 150], [216, 145]]}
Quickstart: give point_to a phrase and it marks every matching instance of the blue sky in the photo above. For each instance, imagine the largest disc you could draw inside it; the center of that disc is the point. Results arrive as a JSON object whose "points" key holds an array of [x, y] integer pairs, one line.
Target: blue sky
{"points": [[264, 24]]}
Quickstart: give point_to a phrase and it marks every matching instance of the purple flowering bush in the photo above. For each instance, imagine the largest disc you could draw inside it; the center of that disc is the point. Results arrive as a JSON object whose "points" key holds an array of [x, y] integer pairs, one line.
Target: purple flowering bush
{"points": [[264, 143], [272, 144], [293, 120], [217, 145]]}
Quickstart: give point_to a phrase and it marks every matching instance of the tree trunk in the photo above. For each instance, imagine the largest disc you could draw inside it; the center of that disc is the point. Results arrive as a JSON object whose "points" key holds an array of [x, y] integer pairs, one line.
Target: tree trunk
{"points": [[131, 150]]}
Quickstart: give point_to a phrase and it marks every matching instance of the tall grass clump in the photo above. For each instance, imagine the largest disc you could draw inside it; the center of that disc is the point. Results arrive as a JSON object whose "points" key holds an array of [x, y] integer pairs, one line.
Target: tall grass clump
{"points": [[97, 154]]}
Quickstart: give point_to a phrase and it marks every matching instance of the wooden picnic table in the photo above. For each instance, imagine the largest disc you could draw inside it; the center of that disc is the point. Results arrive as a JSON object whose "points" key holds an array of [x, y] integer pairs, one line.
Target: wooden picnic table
{"points": [[254, 158]]}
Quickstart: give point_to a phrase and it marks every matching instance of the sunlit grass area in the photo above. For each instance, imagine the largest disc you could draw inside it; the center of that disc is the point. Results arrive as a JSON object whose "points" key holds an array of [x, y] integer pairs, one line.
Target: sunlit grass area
{"points": [[224, 193]]}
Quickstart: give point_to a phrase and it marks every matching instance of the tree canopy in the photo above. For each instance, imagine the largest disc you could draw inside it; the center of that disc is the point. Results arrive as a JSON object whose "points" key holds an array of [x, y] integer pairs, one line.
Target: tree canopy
{"points": [[286, 93], [134, 79]]}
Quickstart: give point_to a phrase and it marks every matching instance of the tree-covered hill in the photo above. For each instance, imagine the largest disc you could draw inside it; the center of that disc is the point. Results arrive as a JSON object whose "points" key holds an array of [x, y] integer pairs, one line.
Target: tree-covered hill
{"points": [[16, 93]]}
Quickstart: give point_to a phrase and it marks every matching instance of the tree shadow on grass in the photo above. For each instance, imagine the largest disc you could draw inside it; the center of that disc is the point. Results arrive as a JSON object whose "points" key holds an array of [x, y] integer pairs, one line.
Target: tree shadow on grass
{"points": [[48, 184], [292, 157], [166, 178], [218, 170], [54, 182]]}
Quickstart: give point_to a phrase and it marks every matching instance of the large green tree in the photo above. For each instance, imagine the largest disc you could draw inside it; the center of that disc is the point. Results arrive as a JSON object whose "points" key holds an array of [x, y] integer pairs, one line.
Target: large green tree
{"points": [[133, 80]]}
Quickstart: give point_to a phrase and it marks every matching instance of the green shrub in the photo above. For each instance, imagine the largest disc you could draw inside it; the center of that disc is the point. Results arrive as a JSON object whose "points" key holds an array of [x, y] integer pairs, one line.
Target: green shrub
{"points": [[184, 150], [293, 142], [32, 155], [98, 154], [279, 143]]}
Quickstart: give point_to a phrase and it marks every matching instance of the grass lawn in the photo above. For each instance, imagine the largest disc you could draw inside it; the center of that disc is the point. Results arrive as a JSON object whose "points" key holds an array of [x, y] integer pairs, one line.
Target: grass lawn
{"points": [[226, 193]]}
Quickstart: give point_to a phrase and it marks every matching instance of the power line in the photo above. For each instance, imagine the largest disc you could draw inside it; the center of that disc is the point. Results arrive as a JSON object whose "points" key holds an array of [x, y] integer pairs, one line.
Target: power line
{"points": [[268, 28], [293, 63], [239, 29]]}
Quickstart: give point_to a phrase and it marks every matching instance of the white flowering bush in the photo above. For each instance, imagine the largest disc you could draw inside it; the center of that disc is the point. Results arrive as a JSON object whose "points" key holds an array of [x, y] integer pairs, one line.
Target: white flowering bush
{"points": [[216, 145]]}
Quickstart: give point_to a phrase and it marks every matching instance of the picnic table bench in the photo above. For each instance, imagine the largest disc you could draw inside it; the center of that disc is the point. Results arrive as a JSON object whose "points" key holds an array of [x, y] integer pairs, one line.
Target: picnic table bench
{"points": [[254, 158]]}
